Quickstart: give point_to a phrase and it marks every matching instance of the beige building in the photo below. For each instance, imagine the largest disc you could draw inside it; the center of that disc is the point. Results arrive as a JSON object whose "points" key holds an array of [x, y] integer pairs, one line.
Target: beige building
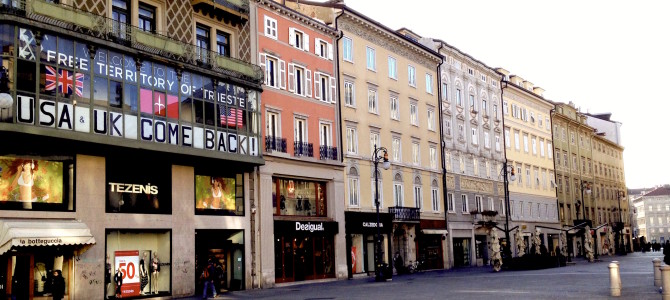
{"points": [[529, 151]]}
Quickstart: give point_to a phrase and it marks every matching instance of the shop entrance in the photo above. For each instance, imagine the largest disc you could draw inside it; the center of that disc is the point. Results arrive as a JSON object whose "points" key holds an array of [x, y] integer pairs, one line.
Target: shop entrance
{"points": [[431, 251], [225, 249], [28, 275], [299, 258], [461, 252]]}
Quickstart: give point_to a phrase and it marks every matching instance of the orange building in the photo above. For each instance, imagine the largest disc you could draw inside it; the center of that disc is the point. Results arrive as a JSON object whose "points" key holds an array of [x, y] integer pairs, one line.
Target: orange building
{"points": [[300, 219]]}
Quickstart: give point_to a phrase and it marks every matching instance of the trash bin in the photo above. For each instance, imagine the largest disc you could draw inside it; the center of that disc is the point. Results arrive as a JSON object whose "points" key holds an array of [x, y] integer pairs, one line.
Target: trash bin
{"points": [[385, 270]]}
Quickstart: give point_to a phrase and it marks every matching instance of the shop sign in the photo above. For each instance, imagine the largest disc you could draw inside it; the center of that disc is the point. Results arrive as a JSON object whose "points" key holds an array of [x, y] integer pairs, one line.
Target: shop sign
{"points": [[309, 226], [361, 222], [136, 186], [372, 225], [127, 262], [306, 227]]}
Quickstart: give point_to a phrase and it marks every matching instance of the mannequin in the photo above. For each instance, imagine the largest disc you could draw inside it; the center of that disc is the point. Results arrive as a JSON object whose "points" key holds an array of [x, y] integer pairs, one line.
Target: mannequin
{"points": [[108, 277], [156, 268], [144, 276]]}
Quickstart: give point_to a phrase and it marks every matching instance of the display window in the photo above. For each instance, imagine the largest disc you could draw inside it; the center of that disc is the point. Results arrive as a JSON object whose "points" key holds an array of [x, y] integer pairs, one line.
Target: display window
{"points": [[42, 273], [138, 263], [221, 253], [138, 186], [299, 258], [219, 195], [36, 183], [294, 197], [363, 252]]}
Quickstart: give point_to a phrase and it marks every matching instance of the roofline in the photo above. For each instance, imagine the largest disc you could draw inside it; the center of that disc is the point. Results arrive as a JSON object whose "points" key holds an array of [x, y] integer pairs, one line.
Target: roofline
{"points": [[306, 20], [530, 93], [384, 27], [468, 56]]}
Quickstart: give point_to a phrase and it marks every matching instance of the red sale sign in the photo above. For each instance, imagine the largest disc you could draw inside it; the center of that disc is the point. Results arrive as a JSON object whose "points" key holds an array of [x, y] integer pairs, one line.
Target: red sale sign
{"points": [[128, 263]]}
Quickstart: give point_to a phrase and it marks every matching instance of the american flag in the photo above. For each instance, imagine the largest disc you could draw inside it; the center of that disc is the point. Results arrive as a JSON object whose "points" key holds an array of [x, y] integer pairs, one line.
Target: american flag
{"points": [[63, 79], [231, 116]]}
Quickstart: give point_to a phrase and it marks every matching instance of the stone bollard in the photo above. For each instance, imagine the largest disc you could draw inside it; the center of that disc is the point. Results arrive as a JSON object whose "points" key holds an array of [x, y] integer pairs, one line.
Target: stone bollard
{"points": [[665, 271], [657, 272], [615, 279]]}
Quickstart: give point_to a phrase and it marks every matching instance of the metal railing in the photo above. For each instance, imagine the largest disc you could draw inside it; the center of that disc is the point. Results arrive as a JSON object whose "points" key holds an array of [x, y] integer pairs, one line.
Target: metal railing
{"points": [[77, 20], [273, 143], [303, 149], [326, 152], [401, 213]]}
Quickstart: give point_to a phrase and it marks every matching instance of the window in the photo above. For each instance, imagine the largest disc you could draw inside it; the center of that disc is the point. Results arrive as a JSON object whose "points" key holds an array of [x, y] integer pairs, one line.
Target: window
{"points": [[223, 43], [484, 107], [464, 204], [275, 71], [413, 114], [508, 143], [396, 149], [326, 139], [429, 83], [202, 41], [447, 127], [450, 202], [120, 12], [415, 154], [483, 77], [273, 125], [324, 87], [431, 119], [461, 131], [352, 140], [374, 140], [473, 107], [298, 81], [505, 108], [300, 130], [270, 27], [471, 72], [475, 166], [349, 94], [528, 182], [487, 142], [395, 109], [444, 91], [393, 68], [501, 206], [298, 39], [433, 157], [370, 59], [497, 143], [475, 136], [495, 110], [533, 141], [323, 49], [354, 192], [542, 148], [347, 49], [147, 17], [525, 143], [398, 195], [411, 75], [418, 197], [373, 106], [459, 99], [479, 203], [516, 140], [435, 199]]}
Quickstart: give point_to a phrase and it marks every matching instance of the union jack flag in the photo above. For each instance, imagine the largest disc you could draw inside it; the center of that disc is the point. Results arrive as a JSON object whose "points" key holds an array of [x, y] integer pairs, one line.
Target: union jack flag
{"points": [[63, 79], [230, 116]]}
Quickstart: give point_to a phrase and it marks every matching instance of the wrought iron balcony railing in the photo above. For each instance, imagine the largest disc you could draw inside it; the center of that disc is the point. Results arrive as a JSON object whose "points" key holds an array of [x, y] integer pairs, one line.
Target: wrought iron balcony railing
{"points": [[303, 149], [273, 143], [326, 152], [406, 214], [76, 20]]}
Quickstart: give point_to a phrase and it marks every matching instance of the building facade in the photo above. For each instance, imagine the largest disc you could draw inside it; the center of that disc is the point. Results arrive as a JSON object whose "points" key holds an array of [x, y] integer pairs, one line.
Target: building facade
{"points": [[134, 137], [529, 151], [302, 182], [653, 215]]}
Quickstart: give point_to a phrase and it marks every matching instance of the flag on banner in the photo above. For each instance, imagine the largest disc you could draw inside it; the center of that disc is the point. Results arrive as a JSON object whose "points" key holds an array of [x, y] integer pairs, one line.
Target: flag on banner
{"points": [[230, 116], [63, 79]]}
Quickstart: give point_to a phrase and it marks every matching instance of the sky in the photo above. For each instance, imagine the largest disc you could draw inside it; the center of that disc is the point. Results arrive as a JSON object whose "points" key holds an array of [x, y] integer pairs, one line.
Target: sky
{"points": [[605, 56]]}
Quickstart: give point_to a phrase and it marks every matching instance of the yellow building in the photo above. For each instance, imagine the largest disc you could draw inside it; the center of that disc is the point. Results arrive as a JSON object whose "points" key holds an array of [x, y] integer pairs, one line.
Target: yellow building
{"points": [[528, 149]]}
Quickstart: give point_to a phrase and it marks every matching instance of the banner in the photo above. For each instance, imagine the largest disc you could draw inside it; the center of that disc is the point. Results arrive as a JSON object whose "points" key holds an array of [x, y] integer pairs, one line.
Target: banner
{"points": [[31, 180], [128, 263], [215, 193]]}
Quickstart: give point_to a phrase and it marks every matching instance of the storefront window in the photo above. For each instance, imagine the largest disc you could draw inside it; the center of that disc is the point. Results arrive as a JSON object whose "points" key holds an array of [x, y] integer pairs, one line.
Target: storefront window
{"points": [[138, 186], [36, 183], [138, 262], [303, 258], [299, 197], [219, 195]]}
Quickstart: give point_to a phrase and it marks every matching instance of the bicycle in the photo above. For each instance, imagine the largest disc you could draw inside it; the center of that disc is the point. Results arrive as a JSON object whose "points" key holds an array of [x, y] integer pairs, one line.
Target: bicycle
{"points": [[415, 266]]}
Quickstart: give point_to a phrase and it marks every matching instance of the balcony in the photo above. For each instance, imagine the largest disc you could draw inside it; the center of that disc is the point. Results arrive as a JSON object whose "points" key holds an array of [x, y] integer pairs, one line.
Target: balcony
{"points": [[405, 214], [237, 11], [273, 143], [326, 152], [303, 149], [76, 20]]}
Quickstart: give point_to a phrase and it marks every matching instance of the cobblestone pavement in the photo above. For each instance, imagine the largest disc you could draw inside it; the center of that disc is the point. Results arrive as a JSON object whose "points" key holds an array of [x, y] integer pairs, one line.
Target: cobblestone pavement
{"points": [[582, 280]]}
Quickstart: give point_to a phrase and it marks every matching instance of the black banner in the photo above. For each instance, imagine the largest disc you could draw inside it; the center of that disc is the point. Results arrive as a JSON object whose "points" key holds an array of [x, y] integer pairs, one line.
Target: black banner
{"points": [[323, 228], [361, 222]]}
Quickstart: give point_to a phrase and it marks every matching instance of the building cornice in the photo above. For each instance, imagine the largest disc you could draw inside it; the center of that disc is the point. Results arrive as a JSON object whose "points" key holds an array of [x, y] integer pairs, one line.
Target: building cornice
{"points": [[297, 16]]}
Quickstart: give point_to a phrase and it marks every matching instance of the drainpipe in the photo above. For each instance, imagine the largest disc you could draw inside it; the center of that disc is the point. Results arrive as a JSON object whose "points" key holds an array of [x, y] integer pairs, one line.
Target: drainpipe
{"points": [[443, 145], [551, 124]]}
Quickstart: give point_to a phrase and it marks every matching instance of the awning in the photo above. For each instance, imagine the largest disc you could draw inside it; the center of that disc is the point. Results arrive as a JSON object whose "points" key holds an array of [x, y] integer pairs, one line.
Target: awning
{"points": [[434, 231], [45, 232]]}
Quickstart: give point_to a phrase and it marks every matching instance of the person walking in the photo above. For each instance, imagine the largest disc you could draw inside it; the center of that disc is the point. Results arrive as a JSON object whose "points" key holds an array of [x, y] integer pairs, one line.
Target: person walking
{"points": [[57, 285], [208, 275]]}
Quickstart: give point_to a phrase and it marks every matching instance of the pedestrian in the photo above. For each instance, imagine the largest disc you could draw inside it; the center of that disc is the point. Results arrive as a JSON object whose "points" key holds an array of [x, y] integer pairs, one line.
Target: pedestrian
{"points": [[207, 276], [118, 281], [398, 263], [666, 253], [57, 285]]}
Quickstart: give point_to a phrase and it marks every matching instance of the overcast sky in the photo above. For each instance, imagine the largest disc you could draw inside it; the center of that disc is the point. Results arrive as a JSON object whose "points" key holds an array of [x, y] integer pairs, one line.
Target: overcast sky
{"points": [[605, 56]]}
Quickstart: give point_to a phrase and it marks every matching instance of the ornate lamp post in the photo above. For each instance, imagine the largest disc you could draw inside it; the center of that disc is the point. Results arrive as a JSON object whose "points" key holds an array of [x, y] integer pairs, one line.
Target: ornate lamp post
{"points": [[585, 187], [619, 243], [378, 242], [512, 177]]}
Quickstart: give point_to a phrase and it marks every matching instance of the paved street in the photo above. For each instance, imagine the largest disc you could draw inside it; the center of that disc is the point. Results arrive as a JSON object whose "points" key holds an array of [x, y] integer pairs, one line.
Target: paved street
{"points": [[583, 280]]}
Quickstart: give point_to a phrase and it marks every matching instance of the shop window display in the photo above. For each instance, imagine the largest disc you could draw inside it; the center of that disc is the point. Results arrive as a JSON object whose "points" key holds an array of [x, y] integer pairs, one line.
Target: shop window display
{"points": [[138, 263], [299, 197], [219, 195]]}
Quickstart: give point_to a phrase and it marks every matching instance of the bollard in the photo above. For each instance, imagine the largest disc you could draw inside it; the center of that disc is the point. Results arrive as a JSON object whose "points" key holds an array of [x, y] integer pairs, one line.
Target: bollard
{"points": [[665, 271], [657, 272], [615, 280]]}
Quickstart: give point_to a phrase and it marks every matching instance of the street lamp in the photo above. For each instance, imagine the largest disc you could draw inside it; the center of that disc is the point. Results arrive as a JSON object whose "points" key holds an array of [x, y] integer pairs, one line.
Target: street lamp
{"points": [[386, 165], [619, 227], [512, 177]]}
